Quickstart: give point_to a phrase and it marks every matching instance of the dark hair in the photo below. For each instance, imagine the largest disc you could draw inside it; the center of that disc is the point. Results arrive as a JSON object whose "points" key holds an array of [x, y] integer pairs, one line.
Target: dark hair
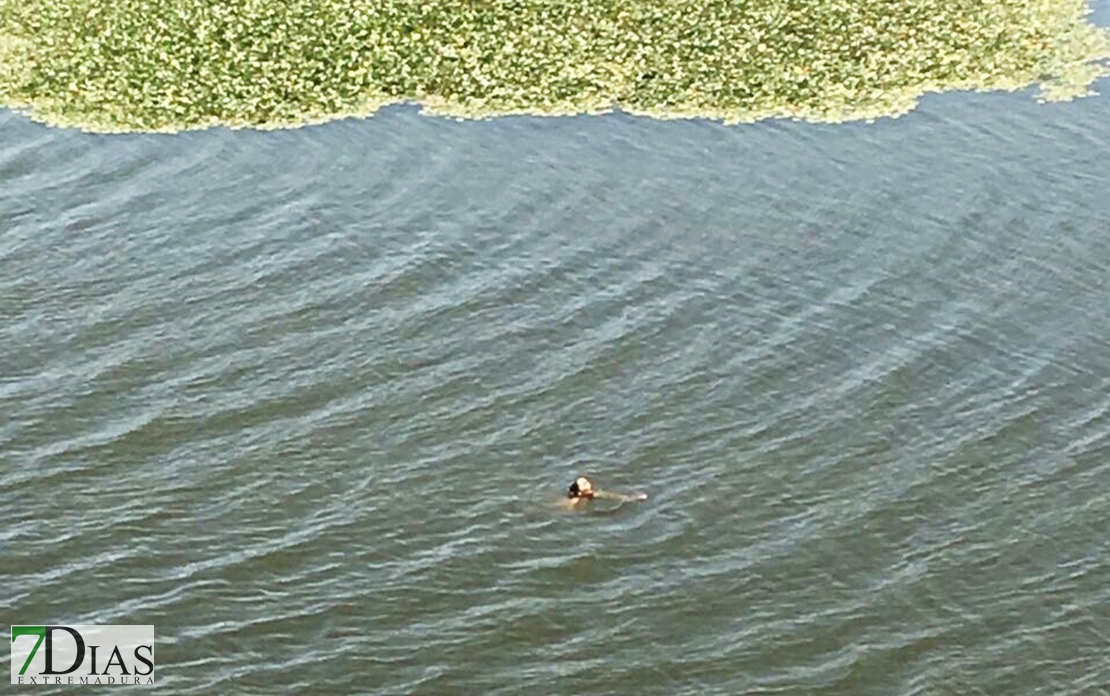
{"points": [[574, 491]]}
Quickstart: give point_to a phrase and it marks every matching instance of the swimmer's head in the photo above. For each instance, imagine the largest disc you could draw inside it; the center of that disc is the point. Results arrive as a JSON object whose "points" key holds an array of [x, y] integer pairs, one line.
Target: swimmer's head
{"points": [[581, 488]]}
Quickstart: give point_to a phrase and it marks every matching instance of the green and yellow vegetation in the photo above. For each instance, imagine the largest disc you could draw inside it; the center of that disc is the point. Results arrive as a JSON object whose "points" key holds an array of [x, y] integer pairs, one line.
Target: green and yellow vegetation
{"points": [[163, 65]]}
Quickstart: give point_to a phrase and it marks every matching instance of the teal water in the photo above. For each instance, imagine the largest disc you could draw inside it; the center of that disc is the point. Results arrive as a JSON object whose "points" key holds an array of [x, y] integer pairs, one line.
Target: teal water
{"points": [[306, 401]]}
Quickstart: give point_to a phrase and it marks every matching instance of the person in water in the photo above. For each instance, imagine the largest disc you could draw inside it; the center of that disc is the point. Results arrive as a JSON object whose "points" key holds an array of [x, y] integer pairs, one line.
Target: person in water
{"points": [[583, 489]]}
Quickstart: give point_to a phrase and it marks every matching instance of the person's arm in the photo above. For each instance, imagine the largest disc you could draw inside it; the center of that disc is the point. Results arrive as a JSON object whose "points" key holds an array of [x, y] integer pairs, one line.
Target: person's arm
{"points": [[609, 495]]}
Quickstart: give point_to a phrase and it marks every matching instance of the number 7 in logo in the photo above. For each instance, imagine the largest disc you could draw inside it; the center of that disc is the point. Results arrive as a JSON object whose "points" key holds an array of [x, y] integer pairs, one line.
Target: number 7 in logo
{"points": [[39, 631]]}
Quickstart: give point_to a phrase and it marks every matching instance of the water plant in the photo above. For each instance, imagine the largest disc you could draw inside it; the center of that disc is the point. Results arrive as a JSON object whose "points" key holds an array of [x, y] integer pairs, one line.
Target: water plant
{"points": [[164, 65]]}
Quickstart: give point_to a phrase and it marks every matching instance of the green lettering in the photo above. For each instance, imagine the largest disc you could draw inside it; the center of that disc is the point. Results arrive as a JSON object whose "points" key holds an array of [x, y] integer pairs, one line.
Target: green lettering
{"points": [[39, 631]]}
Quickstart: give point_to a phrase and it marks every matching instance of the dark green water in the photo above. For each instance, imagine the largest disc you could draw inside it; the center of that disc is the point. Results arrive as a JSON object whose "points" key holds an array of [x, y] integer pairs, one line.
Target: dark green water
{"points": [[305, 401]]}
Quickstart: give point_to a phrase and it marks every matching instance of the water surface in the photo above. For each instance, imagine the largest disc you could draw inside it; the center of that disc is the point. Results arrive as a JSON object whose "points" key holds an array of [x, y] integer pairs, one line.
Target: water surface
{"points": [[304, 400]]}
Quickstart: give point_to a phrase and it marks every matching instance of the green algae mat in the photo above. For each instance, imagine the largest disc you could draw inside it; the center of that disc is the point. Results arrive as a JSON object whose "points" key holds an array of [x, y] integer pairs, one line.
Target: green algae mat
{"points": [[165, 65]]}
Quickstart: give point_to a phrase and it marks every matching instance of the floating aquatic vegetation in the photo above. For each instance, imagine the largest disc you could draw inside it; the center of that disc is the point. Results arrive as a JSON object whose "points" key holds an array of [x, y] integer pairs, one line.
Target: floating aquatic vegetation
{"points": [[111, 65]]}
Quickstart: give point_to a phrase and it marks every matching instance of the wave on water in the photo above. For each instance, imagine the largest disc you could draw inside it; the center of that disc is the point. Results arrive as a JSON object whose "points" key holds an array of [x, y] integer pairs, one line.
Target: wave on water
{"points": [[168, 65]]}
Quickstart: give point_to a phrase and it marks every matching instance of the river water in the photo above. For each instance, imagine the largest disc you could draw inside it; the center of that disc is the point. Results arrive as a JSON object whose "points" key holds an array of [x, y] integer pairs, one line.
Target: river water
{"points": [[307, 401]]}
